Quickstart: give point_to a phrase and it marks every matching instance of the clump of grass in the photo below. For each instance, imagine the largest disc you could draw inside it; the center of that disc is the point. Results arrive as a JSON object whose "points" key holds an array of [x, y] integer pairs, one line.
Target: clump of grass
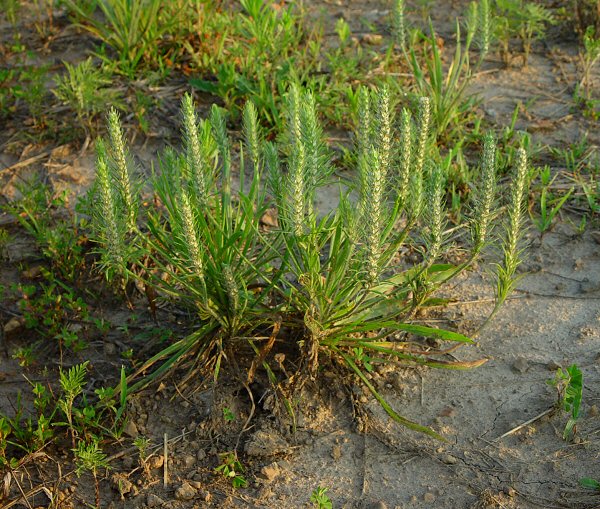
{"points": [[333, 280]]}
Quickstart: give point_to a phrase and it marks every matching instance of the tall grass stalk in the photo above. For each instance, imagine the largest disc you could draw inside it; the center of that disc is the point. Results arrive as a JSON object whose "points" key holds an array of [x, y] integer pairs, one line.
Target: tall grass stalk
{"points": [[121, 160], [416, 179], [109, 227], [512, 248], [484, 199]]}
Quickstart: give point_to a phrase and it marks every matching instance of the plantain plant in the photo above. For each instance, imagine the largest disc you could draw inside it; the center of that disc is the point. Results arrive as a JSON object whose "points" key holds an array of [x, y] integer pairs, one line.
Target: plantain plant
{"points": [[333, 284]]}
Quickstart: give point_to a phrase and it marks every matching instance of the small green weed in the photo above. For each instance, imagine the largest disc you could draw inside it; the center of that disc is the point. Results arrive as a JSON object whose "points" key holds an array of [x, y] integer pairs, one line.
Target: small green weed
{"points": [[68, 409], [89, 457], [588, 56], [55, 311], [136, 31], [85, 87], [569, 385], [522, 19], [57, 230], [320, 499], [232, 469], [549, 205], [588, 482], [228, 415], [447, 90]]}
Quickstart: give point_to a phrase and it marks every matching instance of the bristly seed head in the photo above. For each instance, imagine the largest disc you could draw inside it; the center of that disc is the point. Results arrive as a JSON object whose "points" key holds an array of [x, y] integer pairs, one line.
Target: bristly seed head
{"points": [[435, 214], [484, 27], [484, 195], [193, 152], [231, 289], [120, 156], [384, 127], [374, 212], [190, 235], [251, 133], [108, 221], [400, 24], [406, 144]]}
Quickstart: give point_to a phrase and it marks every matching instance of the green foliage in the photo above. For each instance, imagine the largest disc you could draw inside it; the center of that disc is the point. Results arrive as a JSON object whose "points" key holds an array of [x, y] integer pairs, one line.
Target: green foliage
{"points": [[61, 238], [569, 384], [67, 409], [332, 278], [31, 89], [86, 89], [10, 9], [320, 499], [447, 89], [512, 249], [134, 30], [523, 19], [52, 309], [232, 469], [89, 456], [228, 415], [588, 57], [267, 49], [549, 205], [590, 483]]}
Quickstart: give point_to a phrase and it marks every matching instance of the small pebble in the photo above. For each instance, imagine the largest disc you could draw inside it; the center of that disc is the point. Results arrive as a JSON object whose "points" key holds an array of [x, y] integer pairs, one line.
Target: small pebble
{"points": [[448, 459], [131, 429], [429, 498], [373, 39], [153, 500], [521, 365], [336, 452], [156, 462], [552, 366], [379, 505], [185, 491], [188, 461], [271, 471], [12, 325]]}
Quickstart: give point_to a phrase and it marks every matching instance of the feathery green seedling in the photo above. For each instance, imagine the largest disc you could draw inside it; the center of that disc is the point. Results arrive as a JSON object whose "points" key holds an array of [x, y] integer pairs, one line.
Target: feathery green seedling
{"points": [[85, 88], [89, 456], [523, 19]]}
